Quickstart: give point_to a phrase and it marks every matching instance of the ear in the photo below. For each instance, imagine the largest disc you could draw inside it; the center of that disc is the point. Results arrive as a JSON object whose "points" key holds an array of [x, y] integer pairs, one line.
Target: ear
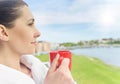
{"points": [[3, 33]]}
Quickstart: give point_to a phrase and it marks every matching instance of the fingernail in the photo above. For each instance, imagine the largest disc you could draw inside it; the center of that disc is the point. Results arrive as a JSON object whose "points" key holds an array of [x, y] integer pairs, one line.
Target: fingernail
{"points": [[57, 56]]}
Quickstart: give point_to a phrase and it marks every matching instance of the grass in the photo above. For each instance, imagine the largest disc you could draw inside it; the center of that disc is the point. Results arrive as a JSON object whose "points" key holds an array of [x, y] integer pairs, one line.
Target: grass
{"points": [[86, 70]]}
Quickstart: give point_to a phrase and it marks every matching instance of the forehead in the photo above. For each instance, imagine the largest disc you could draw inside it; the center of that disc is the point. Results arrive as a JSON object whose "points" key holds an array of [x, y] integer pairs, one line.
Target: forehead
{"points": [[26, 13]]}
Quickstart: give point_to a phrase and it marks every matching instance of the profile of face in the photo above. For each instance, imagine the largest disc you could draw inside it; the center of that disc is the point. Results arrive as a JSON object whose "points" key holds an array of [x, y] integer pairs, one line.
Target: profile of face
{"points": [[22, 37]]}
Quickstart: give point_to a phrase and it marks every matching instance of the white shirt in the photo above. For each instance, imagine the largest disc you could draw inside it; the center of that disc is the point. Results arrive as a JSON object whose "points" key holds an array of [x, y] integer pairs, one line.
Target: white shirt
{"points": [[11, 76]]}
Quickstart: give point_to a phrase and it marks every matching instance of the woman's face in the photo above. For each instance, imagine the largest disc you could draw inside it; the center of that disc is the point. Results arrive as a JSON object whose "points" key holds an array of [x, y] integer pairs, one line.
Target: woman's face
{"points": [[22, 37]]}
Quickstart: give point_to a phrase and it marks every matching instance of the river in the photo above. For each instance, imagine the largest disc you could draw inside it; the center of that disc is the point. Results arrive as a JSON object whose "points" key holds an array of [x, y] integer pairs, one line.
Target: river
{"points": [[108, 55]]}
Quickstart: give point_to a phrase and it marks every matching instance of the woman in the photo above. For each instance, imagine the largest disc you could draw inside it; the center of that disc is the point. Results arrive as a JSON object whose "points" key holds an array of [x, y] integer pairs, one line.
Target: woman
{"points": [[17, 39]]}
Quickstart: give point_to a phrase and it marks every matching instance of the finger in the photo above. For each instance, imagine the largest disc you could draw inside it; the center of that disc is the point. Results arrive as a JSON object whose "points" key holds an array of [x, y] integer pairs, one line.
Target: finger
{"points": [[54, 64], [64, 64]]}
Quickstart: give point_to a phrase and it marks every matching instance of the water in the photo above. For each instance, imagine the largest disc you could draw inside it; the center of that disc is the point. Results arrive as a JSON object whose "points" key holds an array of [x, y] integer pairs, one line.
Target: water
{"points": [[108, 55]]}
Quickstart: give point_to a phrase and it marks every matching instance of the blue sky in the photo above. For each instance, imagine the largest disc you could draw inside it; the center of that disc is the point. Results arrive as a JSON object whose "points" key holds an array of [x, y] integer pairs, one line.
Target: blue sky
{"points": [[75, 20]]}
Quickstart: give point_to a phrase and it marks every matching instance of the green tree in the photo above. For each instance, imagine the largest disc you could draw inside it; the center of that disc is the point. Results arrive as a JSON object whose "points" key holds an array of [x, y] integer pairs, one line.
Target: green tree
{"points": [[80, 43], [68, 44]]}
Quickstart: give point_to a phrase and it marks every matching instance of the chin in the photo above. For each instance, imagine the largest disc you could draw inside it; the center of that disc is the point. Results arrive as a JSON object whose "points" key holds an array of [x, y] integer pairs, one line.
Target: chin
{"points": [[30, 52]]}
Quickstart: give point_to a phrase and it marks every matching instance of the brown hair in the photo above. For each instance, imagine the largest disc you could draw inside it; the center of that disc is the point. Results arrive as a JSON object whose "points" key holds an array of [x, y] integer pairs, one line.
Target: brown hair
{"points": [[10, 11]]}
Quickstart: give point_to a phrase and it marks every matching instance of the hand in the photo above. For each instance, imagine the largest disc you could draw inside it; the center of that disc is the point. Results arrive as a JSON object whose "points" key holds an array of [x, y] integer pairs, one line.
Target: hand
{"points": [[60, 75]]}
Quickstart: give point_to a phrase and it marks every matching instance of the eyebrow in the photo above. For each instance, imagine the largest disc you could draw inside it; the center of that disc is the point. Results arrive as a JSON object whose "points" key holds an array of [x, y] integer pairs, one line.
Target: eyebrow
{"points": [[32, 19]]}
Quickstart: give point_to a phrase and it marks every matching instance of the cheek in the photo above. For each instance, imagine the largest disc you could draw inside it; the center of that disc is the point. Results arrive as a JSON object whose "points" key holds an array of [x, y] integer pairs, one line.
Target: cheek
{"points": [[21, 42], [21, 37], [23, 34]]}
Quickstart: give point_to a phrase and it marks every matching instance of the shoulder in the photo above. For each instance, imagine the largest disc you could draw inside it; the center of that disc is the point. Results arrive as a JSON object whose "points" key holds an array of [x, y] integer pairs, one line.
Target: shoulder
{"points": [[38, 68], [11, 76]]}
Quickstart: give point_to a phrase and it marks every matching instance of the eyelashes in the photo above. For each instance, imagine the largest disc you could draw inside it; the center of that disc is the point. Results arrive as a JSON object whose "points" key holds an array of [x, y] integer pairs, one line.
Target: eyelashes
{"points": [[31, 24]]}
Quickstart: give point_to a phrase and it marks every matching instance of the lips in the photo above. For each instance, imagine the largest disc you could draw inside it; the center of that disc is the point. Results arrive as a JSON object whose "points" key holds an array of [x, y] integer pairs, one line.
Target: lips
{"points": [[34, 43]]}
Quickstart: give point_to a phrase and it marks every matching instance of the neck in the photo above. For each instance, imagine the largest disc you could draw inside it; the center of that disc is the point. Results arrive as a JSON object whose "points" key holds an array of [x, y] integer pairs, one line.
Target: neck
{"points": [[10, 59]]}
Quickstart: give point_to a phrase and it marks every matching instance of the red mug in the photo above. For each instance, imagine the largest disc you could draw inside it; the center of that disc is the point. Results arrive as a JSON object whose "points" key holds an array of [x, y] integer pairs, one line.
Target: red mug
{"points": [[63, 54]]}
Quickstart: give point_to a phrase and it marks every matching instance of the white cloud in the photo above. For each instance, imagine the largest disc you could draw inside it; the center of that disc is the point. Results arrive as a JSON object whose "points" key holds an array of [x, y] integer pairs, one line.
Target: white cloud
{"points": [[108, 19], [101, 13], [73, 14], [113, 1], [60, 18], [105, 17]]}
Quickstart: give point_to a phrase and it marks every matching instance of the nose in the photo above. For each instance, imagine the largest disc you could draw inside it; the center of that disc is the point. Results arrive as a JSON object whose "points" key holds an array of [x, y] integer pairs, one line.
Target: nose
{"points": [[37, 34]]}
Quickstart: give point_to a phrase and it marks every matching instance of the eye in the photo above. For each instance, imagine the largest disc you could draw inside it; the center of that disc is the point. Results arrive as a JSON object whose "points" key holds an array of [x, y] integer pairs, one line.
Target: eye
{"points": [[31, 24]]}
